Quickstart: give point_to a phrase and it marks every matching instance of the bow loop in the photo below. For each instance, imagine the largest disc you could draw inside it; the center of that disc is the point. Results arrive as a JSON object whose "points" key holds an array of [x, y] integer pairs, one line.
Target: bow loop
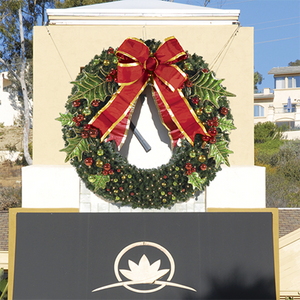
{"points": [[170, 51], [133, 49]]}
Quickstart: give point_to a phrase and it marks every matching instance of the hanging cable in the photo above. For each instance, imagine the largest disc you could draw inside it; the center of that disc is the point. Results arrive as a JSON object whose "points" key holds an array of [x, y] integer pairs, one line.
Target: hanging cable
{"points": [[225, 49], [144, 33], [58, 52]]}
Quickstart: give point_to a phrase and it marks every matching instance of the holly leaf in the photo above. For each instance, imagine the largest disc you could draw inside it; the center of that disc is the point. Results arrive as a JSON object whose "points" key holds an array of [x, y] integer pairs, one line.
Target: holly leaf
{"points": [[76, 147], [219, 152], [101, 181], [226, 124], [207, 87], [92, 87], [66, 119], [196, 181]]}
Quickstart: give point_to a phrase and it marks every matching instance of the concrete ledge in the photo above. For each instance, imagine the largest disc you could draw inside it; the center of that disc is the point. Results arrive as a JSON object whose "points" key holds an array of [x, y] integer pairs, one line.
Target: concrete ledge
{"points": [[238, 187], [47, 186], [4, 260]]}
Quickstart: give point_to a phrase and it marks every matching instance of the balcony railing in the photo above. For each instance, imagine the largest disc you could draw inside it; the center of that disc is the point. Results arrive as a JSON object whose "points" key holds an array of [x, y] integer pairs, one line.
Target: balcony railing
{"points": [[283, 110]]}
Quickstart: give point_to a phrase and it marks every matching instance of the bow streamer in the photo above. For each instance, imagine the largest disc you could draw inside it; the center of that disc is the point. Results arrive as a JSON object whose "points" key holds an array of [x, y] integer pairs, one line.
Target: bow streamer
{"points": [[136, 68]]}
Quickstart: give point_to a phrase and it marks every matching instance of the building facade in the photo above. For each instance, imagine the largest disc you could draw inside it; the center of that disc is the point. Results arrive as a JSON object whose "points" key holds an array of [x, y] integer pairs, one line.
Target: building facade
{"points": [[282, 106], [9, 113]]}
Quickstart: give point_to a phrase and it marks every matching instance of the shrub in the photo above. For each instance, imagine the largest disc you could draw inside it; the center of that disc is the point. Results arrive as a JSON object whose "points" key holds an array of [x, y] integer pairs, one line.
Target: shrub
{"points": [[10, 197], [267, 131]]}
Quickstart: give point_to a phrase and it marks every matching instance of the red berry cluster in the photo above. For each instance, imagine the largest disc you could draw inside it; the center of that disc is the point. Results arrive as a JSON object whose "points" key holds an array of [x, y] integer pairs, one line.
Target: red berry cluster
{"points": [[76, 103], [110, 50], [112, 75], [190, 169], [212, 131], [224, 110], [107, 169], [89, 161], [214, 122], [195, 100], [88, 130], [95, 103], [78, 119]]}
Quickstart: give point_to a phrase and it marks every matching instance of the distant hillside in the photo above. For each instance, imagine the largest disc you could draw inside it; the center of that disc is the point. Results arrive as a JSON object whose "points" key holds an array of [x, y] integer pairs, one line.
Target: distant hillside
{"points": [[11, 136]]}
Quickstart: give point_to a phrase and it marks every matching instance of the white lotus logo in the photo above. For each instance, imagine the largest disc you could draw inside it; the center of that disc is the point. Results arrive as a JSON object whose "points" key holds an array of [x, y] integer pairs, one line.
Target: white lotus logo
{"points": [[143, 272]]}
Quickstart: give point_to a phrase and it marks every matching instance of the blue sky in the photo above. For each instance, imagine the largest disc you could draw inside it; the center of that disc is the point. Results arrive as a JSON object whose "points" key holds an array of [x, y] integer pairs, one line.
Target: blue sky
{"points": [[276, 31]]}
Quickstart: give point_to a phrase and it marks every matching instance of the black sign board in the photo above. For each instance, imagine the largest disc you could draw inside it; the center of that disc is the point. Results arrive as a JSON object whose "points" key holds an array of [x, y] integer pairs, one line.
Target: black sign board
{"points": [[122, 256]]}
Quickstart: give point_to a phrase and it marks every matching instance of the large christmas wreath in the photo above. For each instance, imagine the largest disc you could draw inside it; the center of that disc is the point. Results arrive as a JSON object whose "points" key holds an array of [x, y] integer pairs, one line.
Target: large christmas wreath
{"points": [[192, 105]]}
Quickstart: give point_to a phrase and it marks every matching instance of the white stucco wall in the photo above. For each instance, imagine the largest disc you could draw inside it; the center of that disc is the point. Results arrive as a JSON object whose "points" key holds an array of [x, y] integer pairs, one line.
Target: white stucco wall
{"points": [[8, 114]]}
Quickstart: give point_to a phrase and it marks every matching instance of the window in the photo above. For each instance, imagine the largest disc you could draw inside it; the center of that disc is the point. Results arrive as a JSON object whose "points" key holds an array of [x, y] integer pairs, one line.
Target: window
{"points": [[288, 125], [297, 81], [287, 110], [258, 111], [290, 82], [293, 82], [279, 82]]}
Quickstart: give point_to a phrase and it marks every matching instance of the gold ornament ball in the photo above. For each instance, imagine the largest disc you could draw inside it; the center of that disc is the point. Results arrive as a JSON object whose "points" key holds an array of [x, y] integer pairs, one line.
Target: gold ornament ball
{"points": [[99, 163], [199, 111], [163, 184], [123, 177], [202, 158], [164, 200], [106, 62]]}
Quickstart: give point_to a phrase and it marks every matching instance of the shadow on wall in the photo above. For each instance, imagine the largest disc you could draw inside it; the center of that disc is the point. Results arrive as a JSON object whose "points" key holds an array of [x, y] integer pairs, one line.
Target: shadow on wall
{"points": [[238, 286]]}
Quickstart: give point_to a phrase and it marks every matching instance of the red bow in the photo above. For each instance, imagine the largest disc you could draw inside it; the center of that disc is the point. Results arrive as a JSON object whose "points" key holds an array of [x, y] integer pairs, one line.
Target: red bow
{"points": [[135, 68]]}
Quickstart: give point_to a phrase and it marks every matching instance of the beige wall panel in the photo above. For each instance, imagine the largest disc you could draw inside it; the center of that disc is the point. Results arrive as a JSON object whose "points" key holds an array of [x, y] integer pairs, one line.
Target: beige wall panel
{"points": [[289, 254], [59, 55]]}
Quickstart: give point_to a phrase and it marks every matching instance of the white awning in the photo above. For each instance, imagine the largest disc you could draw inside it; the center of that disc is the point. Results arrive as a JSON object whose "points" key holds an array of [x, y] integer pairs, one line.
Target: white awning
{"points": [[142, 12]]}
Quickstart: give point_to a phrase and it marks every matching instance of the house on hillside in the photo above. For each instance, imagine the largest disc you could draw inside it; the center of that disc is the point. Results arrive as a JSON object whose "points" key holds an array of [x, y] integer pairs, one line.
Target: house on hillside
{"points": [[9, 112], [282, 106]]}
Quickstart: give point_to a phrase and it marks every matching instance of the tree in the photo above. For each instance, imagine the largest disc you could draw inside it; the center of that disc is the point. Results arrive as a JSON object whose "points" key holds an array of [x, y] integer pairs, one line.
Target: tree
{"points": [[17, 20], [74, 3], [294, 63], [258, 78]]}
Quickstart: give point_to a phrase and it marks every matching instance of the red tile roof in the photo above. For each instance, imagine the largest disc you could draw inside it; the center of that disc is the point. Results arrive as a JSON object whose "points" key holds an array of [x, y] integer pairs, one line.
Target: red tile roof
{"points": [[4, 230], [289, 220]]}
